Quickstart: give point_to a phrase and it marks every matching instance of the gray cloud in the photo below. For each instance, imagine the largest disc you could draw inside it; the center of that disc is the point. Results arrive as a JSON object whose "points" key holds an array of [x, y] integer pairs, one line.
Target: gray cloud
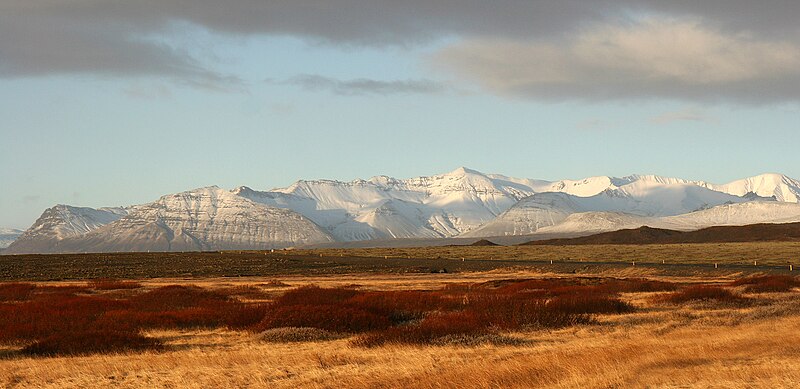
{"points": [[364, 86], [119, 38], [654, 58]]}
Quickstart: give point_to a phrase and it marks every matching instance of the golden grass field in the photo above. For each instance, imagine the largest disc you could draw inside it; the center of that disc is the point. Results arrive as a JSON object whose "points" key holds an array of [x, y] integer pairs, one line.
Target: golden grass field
{"points": [[659, 345], [766, 253]]}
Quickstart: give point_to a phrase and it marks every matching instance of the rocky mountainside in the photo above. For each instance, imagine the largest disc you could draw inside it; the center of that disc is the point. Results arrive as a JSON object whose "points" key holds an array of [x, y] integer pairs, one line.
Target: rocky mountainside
{"points": [[201, 219], [461, 203]]}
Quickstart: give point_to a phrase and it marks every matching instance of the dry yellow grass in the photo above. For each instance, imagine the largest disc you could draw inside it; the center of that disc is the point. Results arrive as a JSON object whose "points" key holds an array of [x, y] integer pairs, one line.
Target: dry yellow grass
{"points": [[658, 346], [766, 253]]}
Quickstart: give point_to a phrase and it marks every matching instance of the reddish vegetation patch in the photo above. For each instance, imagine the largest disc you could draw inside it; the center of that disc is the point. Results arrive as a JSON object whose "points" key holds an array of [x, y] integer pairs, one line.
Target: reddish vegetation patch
{"points": [[75, 320], [16, 291], [704, 293], [433, 327], [423, 316], [765, 284], [65, 320], [111, 284], [92, 341]]}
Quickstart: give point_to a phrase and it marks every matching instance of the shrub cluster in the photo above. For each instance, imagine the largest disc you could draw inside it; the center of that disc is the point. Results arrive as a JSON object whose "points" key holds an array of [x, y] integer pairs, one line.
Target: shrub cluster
{"points": [[766, 284], [68, 320], [423, 317], [49, 320]]}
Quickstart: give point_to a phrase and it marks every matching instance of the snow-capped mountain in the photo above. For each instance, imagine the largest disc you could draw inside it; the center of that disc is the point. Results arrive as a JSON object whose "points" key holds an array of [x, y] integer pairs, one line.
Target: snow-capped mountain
{"points": [[735, 215], [784, 188], [8, 235], [463, 203], [383, 207], [638, 198], [202, 219], [62, 222]]}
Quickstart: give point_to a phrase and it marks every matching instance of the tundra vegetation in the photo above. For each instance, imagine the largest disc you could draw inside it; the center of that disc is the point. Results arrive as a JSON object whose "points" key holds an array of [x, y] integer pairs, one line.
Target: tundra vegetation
{"points": [[500, 328]]}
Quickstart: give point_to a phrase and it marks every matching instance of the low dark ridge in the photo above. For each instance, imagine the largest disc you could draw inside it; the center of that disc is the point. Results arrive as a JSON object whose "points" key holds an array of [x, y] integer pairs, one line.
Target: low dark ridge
{"points": [[484, 242], [786, 232]]}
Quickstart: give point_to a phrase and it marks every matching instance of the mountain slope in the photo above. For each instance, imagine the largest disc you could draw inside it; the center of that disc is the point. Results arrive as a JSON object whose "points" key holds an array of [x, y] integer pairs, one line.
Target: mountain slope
{"points": [[642, 199], [202, 219], [62, 222], [435, 206], [461, 203], [8, 235], [784, 188], [735, 215]]}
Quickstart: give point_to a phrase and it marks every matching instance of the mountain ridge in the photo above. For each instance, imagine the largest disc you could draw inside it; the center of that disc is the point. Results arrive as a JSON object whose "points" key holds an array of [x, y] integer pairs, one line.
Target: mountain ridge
{"points": [[460, 203]]}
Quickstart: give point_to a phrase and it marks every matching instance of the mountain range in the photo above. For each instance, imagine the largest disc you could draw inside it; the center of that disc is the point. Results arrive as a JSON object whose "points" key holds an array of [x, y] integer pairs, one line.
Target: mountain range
{"points": [[461, 203]]}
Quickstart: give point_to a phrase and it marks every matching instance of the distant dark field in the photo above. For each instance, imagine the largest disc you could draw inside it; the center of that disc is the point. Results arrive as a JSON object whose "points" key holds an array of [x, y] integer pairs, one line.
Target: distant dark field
{"points": [[680, 260]]}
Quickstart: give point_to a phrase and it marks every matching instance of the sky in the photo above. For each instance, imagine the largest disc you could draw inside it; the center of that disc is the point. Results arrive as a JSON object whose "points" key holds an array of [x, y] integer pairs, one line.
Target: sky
{"points": [[106, 103]]}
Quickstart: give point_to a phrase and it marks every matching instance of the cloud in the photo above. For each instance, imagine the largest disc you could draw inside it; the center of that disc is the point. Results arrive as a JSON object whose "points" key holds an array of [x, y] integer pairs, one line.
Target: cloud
{"points": [[662, 58], [689, 114], [36, 44], [364, 86], [127, 39]]}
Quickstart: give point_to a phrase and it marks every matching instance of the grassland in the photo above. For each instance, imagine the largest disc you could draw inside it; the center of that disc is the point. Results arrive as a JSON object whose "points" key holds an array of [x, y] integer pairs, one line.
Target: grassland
{"points": [[765, 253], [745, 341], [670, 259], [502, 317]]}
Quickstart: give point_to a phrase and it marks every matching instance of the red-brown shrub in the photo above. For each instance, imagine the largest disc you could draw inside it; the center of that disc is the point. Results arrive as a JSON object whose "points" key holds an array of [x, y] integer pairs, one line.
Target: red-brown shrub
{"points": [[516, 311], [765, 284], [433, 327], [112, 284], [184, 318], [704, 293], [242, 316], [401, 306], [337, 318], [16, 291], [314, 295], [41, 318], [91, 341], [174, 297]]}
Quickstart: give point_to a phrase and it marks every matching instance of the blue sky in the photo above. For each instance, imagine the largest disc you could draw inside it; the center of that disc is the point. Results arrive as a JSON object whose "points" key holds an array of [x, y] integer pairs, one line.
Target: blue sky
{"points": [[168, 101]]}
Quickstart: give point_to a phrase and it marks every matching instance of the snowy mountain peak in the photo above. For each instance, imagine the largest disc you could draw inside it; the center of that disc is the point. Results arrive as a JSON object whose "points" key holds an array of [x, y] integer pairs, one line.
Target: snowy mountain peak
{"points": [[462, 171], [649, 178], [784, 188], [462, 202], [206, 218]]}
